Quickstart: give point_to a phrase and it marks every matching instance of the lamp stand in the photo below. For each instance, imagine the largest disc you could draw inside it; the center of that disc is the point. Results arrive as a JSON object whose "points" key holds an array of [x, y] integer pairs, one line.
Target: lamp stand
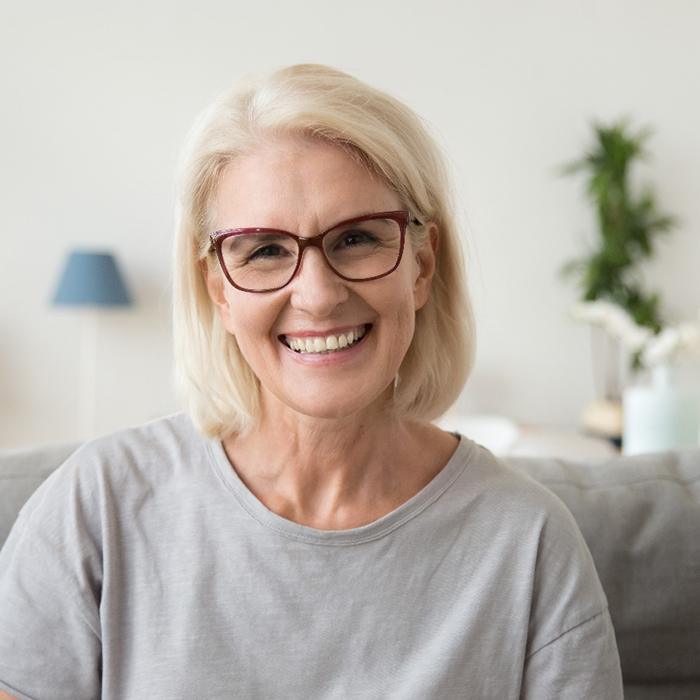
{"points": [[88, 372]]}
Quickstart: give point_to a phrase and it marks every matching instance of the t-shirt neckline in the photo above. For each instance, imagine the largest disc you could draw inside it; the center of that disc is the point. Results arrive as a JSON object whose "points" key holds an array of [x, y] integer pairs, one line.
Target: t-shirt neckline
{"points": [[352, 536]]}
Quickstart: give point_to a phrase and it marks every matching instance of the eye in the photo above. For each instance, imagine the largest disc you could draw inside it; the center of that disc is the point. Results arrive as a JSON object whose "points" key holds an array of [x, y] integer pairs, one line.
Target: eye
{"points": [[258, 249], [356, 237], [268, 251]]}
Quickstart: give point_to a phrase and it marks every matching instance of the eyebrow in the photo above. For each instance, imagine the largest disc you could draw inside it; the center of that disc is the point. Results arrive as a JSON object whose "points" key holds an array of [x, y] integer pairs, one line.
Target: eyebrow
{"points": [[347, 219]]}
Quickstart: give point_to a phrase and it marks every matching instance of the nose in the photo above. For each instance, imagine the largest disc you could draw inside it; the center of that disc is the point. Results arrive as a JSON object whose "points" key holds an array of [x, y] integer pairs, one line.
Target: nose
{"points": [[315, 288]]}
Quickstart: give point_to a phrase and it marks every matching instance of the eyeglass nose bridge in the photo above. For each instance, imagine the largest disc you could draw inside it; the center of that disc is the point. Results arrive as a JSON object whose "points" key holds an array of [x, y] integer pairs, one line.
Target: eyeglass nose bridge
{"points": [[312, 242]]}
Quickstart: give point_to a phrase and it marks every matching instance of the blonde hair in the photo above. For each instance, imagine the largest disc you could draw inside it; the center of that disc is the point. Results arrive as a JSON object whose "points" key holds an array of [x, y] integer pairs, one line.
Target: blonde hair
{"points": [[220, 390]]}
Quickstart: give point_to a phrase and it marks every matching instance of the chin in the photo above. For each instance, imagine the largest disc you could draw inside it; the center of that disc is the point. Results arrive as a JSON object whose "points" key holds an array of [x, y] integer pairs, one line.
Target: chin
{"points": [[322, 407]]}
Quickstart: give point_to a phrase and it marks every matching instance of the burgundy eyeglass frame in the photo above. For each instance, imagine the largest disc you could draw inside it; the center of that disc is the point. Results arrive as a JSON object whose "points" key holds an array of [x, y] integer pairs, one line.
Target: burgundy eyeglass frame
{"points": [[402, 218]]}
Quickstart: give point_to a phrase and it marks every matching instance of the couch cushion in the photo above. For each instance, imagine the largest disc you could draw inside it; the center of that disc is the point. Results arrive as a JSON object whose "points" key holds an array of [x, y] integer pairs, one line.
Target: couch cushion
{"points": [[641, 519], [21, 472]]}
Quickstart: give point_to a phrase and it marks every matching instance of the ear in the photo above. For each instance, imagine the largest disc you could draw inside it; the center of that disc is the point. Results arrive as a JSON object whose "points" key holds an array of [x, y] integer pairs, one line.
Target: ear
{"points": [[216, 287], [426, 258]]}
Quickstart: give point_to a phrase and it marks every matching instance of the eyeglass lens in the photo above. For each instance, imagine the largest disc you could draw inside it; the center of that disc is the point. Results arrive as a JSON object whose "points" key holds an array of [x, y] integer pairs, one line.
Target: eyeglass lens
{"points": [[357, 250]]}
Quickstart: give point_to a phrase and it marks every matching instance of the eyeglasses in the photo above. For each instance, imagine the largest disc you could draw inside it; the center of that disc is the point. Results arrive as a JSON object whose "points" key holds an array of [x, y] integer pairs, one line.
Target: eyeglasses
{"points": [[357, 250]]}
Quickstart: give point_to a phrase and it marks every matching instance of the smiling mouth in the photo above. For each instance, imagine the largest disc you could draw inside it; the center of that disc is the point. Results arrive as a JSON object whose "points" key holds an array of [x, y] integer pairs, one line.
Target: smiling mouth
{"points": [[326, 343]]}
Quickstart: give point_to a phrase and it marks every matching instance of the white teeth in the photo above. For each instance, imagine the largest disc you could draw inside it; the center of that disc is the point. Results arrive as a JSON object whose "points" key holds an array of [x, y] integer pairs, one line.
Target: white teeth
{"points": [[329, 343]]}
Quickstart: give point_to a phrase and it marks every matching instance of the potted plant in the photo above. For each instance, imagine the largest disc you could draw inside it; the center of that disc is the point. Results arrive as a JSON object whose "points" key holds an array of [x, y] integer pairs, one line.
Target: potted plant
{"points": [[628, 225]]}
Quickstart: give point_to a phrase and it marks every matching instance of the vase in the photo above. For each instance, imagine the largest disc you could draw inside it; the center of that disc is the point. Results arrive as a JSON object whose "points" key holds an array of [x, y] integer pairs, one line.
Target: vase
{"points": [[660, 415]]}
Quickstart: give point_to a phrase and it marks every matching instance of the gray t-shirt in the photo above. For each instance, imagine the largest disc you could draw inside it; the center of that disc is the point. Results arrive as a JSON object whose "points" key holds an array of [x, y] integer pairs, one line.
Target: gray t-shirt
{"points": [[143, 568]]}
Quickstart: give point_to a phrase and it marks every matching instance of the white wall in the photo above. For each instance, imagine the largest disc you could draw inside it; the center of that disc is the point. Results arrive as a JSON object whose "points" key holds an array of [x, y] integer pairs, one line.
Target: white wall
{"points": [[97, 98]]}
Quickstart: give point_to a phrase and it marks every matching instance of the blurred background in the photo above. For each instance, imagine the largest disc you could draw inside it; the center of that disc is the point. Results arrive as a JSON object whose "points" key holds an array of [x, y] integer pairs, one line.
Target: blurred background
{"points": [[98, 97]]}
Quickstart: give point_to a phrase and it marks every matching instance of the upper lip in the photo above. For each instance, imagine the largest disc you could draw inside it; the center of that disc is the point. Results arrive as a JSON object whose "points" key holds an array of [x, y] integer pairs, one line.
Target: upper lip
{"points": [[321, 333]]}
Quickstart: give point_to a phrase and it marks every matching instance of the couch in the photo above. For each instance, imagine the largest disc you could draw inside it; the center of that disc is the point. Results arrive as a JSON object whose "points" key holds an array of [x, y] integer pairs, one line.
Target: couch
{"points": [[640, 517]]}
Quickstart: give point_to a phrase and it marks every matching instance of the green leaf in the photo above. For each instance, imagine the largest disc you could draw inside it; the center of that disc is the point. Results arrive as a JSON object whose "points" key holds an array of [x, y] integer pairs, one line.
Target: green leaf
{"points": [[628, 223]]}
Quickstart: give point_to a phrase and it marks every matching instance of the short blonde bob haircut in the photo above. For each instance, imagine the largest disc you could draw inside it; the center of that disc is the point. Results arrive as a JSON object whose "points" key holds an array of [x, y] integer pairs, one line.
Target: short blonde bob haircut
{"points": [[221, 393]]}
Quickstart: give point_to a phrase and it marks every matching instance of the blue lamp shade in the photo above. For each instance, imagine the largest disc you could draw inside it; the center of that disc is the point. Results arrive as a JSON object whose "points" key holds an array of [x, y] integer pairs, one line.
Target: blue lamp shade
{"points": [[91, 279]]}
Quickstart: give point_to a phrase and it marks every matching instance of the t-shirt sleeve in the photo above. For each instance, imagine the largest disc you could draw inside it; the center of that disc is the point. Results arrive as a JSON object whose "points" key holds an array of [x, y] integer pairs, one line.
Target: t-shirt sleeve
{"points": [[49, 596], [581, 663], [572, 652]]}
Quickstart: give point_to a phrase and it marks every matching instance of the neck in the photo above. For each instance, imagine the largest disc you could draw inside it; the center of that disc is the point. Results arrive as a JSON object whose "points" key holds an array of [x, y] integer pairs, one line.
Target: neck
{"points": [[337, 473]]}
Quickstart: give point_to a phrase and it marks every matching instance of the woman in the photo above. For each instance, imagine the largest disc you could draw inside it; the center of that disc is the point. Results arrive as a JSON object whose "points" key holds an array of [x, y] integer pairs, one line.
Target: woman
{"points": [[305, 532]]}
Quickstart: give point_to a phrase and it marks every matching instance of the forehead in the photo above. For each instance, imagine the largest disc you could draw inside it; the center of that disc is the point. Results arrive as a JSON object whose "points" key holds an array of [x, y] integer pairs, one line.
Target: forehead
{"points": [[297, 184]]}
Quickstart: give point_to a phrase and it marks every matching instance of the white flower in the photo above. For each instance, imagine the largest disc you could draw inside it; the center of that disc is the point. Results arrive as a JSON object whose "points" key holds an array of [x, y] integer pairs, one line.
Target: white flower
{"points": [[615, 320], [670, 343], [659, 349]]}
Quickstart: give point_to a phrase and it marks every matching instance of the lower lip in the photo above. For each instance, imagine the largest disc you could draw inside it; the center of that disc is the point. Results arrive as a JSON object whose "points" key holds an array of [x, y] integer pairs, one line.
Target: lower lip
{"points": [[328, 358]]}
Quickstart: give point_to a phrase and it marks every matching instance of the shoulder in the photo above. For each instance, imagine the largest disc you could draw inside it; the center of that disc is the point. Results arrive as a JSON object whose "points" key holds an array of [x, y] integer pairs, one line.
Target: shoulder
{"points": [[165, 442], [525, 520], [116, 468], [511, 493], [565, 588], [168, 436]]}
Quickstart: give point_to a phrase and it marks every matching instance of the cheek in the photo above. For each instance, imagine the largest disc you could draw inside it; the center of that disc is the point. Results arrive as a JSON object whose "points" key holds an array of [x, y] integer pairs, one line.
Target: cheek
{"points": [[401, 326], [407, 325], [247, 319], [407, 301], [399, 305]]}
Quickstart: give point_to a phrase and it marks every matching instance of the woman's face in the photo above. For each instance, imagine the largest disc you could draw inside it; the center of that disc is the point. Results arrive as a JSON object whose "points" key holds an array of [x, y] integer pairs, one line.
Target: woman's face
{"points": [[305, 187]]}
